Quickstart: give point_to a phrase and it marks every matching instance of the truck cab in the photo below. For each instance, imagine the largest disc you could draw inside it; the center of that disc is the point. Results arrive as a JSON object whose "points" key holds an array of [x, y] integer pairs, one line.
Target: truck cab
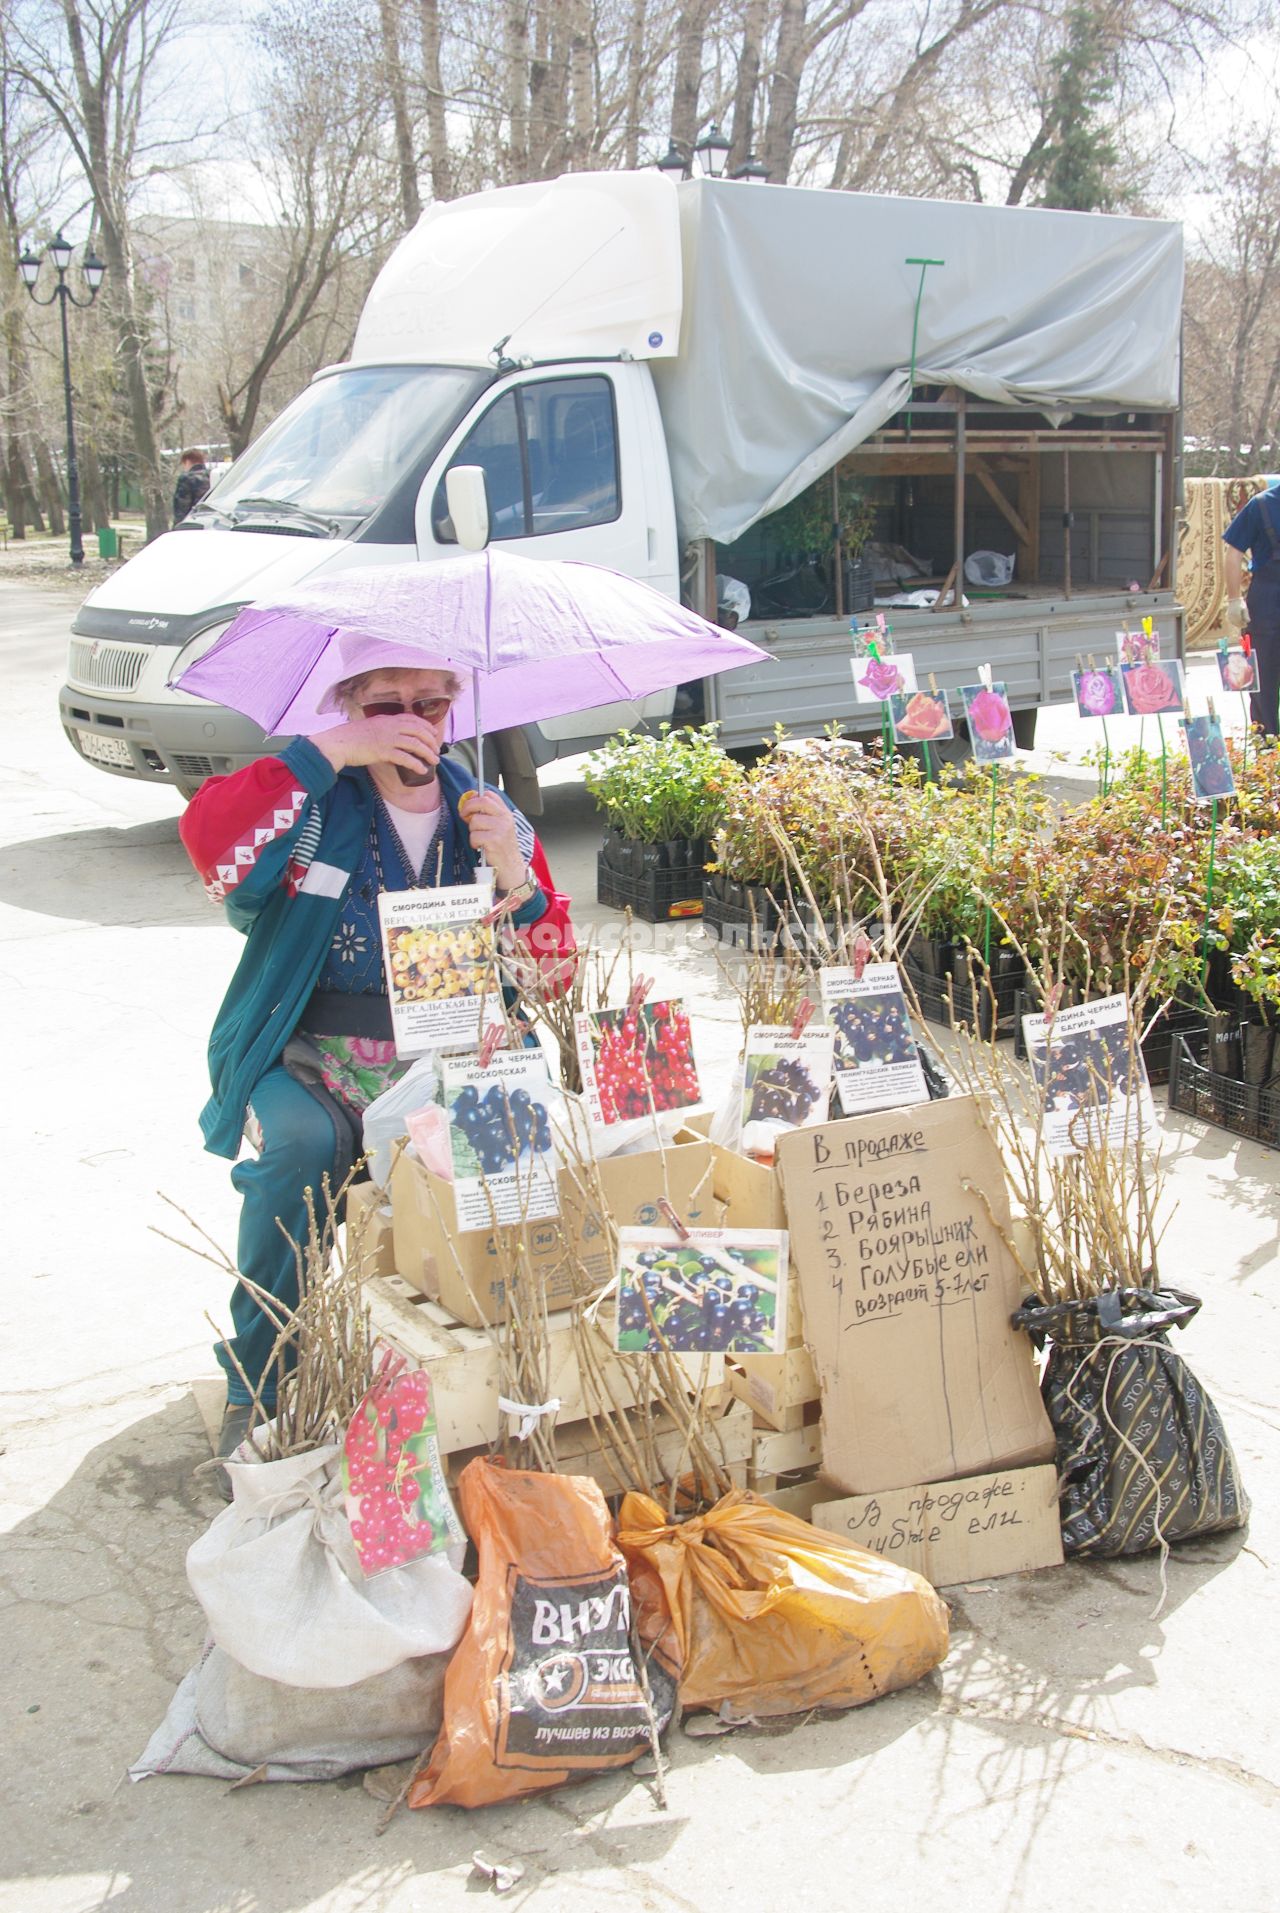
{"points": [[568, 433]]}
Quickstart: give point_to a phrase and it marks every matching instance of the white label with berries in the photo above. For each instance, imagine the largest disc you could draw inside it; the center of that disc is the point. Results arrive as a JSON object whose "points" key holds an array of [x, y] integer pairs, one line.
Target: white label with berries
{"points": [[786, 1084], [877, 1062], [636, 1062], [708, 1291], [438, 954], [504, 1166]]}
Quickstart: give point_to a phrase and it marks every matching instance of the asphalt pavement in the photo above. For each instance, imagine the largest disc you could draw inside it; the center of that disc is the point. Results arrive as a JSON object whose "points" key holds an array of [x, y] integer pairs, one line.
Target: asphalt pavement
{"points": [[1073, 1751]]}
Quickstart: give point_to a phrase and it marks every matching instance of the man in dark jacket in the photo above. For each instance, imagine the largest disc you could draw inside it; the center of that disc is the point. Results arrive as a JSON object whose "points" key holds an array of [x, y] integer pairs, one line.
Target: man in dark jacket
{"points": [[193, 483]]}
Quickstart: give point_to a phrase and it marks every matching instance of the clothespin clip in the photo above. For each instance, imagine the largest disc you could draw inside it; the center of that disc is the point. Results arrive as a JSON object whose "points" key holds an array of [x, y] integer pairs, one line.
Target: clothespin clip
{"points": [[804, 1010], [863, 951], [673, 1220], [933, 683], [493, 1038], [1148, 628], [880, 620], [1079, 662], [1246, 644], [1212, 708], [873, 649], [1051, 1006], [1186, 708], [1092, 665], [984, 675], [639, 990]]}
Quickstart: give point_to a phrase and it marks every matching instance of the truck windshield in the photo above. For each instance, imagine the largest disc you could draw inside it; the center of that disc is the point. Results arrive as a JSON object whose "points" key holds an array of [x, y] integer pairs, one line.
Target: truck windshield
{"points": [[346, 441]]}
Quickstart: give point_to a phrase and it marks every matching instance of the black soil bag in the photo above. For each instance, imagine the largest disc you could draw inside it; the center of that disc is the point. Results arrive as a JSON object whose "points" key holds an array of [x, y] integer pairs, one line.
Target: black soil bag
{"points": [[1143, 1456]]}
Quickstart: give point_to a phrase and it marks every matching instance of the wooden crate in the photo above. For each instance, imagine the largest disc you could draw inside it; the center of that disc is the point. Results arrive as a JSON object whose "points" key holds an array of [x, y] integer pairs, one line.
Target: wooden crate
{"points": [[781, 1459], [778, 1388], [579, 1452], [464, 1368]]}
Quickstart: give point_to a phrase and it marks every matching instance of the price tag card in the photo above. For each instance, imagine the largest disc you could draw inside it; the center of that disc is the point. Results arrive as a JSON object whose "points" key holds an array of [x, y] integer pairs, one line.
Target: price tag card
{"points": [[636, 1061], [877, 1063], [1211, 772], [1098, 692], [393, 1484], [1153, 690], [504, 1167], [1238, 670], [711, 1291], [986, 709], [923, 718], [786, 1084], [438, 955]]}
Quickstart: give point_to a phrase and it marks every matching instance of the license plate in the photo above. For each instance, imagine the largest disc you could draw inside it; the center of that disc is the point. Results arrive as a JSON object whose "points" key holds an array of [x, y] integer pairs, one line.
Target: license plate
{"points": [[105, 750]]}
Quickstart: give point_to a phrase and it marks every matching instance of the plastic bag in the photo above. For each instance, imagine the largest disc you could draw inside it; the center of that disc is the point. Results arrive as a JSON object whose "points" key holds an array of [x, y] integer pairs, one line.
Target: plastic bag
{"points": [[280, 1583], [758, 1613], [1142, 1453], [385, 1120], [225, 1723], [542, 1689], [990, 568]]}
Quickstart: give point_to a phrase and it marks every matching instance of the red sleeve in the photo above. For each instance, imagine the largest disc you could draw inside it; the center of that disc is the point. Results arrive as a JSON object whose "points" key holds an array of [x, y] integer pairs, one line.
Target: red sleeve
{"points": [[234, 826], [549, 938]]}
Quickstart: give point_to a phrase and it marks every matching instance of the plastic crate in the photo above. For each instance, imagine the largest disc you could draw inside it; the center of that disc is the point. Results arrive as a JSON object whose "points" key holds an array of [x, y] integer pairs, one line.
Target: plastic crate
{"points": [[937, 995], [1195, 1090], [755, 923], [657, 896], [1179, 1019]]}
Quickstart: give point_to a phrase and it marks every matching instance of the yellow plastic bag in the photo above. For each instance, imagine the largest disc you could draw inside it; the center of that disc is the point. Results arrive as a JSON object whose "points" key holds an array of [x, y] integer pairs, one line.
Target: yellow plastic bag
{"points": [[755, 1612]]}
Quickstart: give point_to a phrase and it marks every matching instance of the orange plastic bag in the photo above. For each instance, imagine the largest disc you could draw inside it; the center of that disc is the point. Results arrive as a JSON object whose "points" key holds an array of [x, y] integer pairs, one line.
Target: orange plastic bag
{"points": [[755, 1612], [541, 1689]]}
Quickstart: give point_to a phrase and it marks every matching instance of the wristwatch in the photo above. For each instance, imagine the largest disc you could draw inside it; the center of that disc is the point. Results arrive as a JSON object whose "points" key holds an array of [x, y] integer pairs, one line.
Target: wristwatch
{"points": [[522, 891]]}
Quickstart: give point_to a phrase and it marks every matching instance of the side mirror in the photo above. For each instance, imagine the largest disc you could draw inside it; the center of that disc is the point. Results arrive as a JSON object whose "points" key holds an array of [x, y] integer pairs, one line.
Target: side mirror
{"points": [[468, 505]]}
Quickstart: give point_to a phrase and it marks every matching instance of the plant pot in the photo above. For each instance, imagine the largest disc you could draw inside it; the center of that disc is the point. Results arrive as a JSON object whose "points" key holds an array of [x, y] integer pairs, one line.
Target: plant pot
{"points": [[1225, 1047], [1257, 1051], [934, 956]]}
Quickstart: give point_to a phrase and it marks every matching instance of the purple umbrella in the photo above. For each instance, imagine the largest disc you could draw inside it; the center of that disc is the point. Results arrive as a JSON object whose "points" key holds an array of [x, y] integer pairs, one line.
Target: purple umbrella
{"points": [[535, 638]]}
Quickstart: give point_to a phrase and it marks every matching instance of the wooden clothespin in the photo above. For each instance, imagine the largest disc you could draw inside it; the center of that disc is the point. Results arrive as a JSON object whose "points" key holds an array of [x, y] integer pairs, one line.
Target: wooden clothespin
{"points": [[863, 951], [933, 683], [1213, 711], [675, 1221], [1090, 661], [984, 675], [493, 1039], [1079, 662], [804, 1010]]}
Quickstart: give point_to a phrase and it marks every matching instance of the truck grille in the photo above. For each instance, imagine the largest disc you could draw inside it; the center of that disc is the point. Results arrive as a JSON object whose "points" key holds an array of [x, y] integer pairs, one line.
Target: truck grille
{"points": [[96, 664], [191, 766]]}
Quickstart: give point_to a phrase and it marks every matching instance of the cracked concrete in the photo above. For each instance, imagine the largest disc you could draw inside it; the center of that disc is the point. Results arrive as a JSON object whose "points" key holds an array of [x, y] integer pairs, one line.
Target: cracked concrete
{"points": [[1072, 1751]]}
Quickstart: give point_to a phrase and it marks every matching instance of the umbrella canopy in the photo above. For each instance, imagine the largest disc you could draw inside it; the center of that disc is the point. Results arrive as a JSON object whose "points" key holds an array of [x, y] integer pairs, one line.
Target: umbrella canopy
{"points": [[545, 637]]}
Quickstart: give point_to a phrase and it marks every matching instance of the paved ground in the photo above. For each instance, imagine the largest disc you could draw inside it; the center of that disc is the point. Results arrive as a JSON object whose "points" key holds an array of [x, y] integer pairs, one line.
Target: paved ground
{"points": [[1072, 1751]]}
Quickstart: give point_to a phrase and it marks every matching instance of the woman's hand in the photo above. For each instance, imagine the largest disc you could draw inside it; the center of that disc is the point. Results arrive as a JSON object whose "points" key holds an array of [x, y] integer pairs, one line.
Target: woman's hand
{"points": [[404, 740], [492, 829]]}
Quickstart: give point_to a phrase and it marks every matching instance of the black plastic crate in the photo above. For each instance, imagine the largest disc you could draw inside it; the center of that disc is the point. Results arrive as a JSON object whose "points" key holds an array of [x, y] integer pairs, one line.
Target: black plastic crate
{"points": [[1244, 1108], [938, 995], [1179, 1019], [746, 916], [657, 896]]}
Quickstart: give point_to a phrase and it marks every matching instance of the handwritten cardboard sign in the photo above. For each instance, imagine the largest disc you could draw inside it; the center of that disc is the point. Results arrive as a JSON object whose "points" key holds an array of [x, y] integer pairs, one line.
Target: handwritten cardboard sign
{"points": [[907, 1290], [951, 1531]]}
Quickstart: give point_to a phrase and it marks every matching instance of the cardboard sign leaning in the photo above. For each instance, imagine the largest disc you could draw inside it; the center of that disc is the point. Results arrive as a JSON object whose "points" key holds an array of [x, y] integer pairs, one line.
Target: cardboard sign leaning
{"points": [[907, 1288]]}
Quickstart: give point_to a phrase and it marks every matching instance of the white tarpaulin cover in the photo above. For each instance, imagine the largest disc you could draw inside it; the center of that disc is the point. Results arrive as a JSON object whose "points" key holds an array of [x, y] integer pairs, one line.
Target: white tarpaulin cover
{"points": [[587, 266], [796, 338]]}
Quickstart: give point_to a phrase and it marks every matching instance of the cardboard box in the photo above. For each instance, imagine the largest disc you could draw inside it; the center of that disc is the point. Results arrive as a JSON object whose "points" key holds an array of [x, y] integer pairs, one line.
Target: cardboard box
{"points": [[459, 1269], [367, 1211], [907, 1289], [969, 1530], [464, 1368]]}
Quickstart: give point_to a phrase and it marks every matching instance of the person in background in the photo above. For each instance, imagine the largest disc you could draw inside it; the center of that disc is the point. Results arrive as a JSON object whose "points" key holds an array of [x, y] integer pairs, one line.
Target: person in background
{"points": [[297, 847], [1256, 529], [193, 483]]}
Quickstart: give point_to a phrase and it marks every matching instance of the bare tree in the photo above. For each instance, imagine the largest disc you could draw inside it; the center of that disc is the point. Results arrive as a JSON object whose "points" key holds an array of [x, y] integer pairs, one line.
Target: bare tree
{"points": [[1233, 317]]}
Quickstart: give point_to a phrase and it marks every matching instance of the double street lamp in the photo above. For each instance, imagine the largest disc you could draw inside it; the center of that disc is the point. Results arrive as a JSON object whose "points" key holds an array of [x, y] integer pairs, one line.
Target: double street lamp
{"points": [[59, 250], [712, 156]]}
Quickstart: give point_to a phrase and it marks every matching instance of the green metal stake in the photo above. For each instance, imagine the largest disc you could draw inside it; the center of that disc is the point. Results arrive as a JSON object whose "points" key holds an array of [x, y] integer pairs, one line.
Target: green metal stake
{"points": [[1208, 899], [1164, 775], [928, 760], [1244, 760], [991, 851], [1106, 759], [886, 733], [924, 265]]}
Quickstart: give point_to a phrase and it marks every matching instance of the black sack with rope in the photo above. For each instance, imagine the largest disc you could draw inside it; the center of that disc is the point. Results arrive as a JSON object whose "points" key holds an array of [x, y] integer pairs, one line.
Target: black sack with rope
{"points": [[1143, 1457]]}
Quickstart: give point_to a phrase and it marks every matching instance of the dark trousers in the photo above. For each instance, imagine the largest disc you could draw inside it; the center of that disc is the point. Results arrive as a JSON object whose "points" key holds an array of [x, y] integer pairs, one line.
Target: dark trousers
{"points": [[300, 1147], [1264, 630]]}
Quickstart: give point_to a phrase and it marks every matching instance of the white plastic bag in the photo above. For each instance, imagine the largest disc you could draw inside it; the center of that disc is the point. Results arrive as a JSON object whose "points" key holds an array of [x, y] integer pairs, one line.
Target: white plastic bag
{"points": [[990, 568], [280, 1583], [385, 1120]]}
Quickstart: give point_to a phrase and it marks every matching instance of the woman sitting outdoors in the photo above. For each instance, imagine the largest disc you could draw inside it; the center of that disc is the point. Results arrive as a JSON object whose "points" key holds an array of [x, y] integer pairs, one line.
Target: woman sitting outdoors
{"points": [[297, 848]]}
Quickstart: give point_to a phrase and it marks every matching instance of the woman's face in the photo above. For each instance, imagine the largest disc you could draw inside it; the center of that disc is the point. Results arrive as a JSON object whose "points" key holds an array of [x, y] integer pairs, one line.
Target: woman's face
{"points": [[387, 692]]}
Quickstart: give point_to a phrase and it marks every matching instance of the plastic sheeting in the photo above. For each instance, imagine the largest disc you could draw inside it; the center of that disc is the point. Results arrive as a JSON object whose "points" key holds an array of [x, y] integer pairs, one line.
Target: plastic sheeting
{"points": [[795, 343]]}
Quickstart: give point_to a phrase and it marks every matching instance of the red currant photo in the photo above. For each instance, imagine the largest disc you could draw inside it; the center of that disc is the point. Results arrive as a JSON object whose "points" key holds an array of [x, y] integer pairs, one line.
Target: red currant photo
{"points": [[637, 1061]]}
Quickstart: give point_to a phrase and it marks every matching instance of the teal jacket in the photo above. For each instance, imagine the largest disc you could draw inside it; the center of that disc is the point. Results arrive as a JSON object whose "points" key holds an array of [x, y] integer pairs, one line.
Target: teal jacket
{"points": [[278, 844]]}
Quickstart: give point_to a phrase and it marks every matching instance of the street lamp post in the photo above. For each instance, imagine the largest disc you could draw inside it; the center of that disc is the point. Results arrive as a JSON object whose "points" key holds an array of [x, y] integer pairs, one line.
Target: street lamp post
{"points": [[59, 250]]}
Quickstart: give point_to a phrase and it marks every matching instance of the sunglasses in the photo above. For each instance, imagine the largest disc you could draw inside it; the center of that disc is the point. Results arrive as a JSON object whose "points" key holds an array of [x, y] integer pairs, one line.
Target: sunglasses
{"points": [[431, 709]]}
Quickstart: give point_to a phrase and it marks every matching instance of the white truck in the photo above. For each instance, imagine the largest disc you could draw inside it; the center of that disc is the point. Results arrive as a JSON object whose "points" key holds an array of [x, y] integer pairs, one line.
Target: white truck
{"points": [[649, 375]]}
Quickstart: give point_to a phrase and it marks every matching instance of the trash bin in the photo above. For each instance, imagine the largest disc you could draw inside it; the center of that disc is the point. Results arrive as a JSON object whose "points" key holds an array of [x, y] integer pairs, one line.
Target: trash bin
{"points": [[108, 542]]}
